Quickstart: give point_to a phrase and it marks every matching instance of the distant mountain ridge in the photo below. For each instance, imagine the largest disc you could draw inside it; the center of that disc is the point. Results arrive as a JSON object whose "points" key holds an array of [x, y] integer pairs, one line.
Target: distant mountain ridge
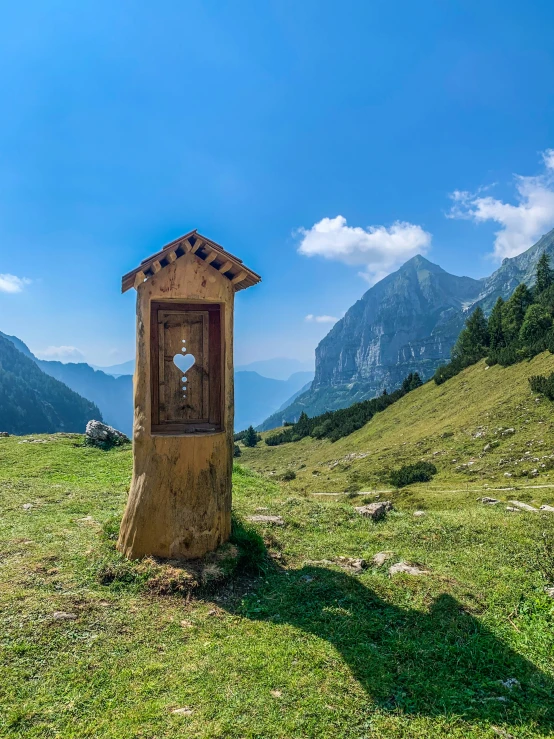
{"points": [[277, 368], [113, 396], [125, 368], [33, 402], [407, 322], [256, 396]]}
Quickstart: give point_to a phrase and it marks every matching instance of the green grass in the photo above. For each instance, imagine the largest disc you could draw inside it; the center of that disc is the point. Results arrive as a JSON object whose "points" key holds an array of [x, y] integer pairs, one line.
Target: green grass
{"points": [[448, 425], [305, 649]]}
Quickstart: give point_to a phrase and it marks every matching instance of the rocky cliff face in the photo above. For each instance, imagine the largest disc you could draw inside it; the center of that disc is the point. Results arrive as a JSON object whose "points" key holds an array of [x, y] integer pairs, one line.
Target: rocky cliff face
{"points": [[407, 322]]}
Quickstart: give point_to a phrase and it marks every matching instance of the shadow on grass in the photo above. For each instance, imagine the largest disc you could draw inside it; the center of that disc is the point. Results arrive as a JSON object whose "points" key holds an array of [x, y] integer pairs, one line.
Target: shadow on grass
{"points": [[443, 662]]}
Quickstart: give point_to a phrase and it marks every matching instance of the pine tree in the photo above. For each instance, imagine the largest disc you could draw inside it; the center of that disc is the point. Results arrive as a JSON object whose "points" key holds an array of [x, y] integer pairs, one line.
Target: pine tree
{"points": [[411, 381], [545, 277], [514, 312], [416, 381], [496, 330], [251, 438], [536, 323], [473, 339]]}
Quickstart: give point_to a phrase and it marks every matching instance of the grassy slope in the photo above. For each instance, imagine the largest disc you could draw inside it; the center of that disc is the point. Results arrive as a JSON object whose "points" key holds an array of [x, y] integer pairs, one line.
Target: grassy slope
{"points": [[478, 401], [308, 650]]}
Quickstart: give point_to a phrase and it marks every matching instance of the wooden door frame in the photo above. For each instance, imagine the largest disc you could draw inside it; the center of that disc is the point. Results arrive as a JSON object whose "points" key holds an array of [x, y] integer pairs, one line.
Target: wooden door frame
{"points": [[216, 356]]}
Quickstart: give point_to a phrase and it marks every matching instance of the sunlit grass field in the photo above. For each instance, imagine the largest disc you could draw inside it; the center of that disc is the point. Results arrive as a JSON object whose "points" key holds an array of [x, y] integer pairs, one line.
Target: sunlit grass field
{"points": [[306, 648]]}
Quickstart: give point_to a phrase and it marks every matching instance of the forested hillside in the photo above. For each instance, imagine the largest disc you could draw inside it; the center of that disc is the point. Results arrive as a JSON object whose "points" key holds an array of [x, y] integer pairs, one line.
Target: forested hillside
{"points": [[33, 402], [516, 330], [407, 322]]}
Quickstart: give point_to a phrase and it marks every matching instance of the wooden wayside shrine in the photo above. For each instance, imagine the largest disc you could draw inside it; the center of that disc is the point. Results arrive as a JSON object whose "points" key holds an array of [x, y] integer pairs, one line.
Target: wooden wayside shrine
{"points": [[179, 503]]}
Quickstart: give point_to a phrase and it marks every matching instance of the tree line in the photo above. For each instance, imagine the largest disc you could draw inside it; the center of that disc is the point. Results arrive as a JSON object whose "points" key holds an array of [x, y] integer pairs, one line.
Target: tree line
{"points": [[334, 425], [517, 329]]}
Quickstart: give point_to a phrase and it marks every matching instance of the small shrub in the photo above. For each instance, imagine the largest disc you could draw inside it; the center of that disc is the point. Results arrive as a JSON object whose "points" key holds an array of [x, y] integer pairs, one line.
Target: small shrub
{"points": [[110, 529], [252, 552], [236, 451], [288, 475], [543, 385], [410, 473], [251, 438]]}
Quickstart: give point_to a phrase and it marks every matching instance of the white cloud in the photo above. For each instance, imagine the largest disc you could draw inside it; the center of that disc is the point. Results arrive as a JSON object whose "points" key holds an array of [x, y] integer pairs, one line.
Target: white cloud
{"points": [[61, 354], [320, 319], [548, 158], [378, 249], [12, 284], [522, 223]]}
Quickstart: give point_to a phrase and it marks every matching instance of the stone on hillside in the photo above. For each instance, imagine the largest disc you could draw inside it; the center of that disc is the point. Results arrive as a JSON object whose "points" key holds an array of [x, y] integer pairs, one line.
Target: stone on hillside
{"points": [[407, 569], [549, 592], [101, 435], [507, 474], [185, 711], [63, 616], [508, 432], [488, 501], [547, 508], [275, 520], [4, 434], [375, 511], [350, 564], [381, 557], [512, 509], [419, 514], [27, 506], [524, 506]]}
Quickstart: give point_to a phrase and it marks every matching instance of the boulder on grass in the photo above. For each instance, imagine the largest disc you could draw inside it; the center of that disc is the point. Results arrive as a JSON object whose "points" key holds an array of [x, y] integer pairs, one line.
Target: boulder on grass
{"points": [[274, 520], [408, 569], [375, 511], [524, 506], [103, 436]]}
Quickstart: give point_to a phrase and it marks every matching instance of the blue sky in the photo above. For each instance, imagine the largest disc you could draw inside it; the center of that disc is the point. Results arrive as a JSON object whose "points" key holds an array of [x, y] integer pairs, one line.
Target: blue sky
{"points": [[319, 141]]}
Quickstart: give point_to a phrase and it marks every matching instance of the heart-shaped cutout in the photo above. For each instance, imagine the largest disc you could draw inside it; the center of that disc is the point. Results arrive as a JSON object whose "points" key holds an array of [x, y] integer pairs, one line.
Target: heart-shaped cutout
{"points": [[184, 361]]}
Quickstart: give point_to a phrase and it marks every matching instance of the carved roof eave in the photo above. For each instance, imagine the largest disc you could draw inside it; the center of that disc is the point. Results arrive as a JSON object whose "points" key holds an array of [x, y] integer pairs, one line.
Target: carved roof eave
{"points": [[226, 264]]}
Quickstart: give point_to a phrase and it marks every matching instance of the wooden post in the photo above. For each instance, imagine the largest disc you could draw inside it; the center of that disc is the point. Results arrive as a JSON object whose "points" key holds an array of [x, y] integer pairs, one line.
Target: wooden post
{"points": [[180, 498]]}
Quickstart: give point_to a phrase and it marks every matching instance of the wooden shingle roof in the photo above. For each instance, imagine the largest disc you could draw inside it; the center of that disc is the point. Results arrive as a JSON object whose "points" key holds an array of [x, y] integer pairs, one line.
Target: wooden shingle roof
{"points": [[213, 254]]}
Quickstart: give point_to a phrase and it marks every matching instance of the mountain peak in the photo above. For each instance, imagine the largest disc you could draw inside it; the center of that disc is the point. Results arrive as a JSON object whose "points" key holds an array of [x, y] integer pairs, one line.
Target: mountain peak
{"points": [[420, 262]]}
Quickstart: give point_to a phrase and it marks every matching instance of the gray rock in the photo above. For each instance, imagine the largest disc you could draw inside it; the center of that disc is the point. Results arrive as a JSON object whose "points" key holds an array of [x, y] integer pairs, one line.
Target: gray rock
{"points": [[419, 514], [381, 557], [512, 509], [352, 565], [27, 506], [275, 520], [407, 569], [547, 508], [524, 506], [488, 501], [4, 434], [508, 432], [375, 511], [549, 592], [63, 616], [101, 435]]}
